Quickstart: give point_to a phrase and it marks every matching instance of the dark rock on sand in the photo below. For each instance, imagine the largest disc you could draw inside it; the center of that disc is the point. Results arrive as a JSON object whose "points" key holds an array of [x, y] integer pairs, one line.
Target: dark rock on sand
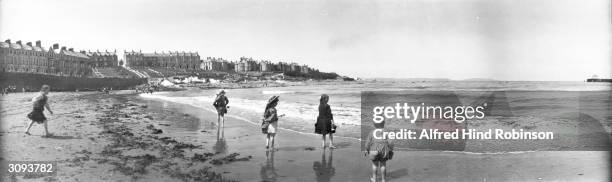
{"points": [[309, 148], [157, 131], [230, 158], [201, 157]]}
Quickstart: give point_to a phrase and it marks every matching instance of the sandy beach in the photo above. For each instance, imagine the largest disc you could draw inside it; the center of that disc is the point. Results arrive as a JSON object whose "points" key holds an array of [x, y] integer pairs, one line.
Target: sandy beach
{"points": [[123, 137]]}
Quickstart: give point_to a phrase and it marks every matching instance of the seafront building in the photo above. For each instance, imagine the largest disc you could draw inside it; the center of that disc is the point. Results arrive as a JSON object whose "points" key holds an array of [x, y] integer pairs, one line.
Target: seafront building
{"points": [[266, 66], [217, 64], [17, 57], [294, 67], [59, 60], [170, 60], [104, 59], [305, 69], [28, 58], [246, 65], [282, 67], [252, 65]]}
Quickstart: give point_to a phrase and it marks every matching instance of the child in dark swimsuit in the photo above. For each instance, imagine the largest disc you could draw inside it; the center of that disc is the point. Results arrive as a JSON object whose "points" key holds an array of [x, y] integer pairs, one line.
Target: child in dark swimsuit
{"points": [[40, 102]]}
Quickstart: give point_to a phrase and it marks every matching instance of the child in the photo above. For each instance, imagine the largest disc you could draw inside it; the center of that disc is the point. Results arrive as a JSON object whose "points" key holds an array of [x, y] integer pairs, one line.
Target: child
{"points": [[379, 151], [271, 118], [325, 122], [220, 104], [40, 102]]}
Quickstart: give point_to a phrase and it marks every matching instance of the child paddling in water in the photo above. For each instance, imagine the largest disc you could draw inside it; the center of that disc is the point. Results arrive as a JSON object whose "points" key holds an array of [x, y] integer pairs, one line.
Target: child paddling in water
{"points": [[379, 151], [270, 122], [325, 122], [220, 104], [40, 102]]}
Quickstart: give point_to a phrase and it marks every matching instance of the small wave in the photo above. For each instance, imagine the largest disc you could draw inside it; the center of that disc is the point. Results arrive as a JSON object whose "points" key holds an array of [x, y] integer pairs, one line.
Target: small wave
{"points": [[271, 92], [199, 102]]}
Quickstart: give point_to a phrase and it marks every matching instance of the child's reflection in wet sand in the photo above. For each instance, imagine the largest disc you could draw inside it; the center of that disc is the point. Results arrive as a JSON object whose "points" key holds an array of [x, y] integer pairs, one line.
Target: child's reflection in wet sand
{"points": [[268, 172], [324, 170]]}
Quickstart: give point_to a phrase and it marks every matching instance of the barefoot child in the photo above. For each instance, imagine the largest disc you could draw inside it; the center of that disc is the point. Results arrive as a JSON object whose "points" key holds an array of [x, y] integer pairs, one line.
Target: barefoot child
{"points": [[379, 151], [270, 122], [221, 105], [325, 122], [40, 102]]}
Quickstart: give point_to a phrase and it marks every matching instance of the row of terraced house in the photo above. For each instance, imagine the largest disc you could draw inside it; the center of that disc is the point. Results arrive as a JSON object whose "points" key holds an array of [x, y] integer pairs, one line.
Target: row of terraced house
{"points": [[63, 61], [252, 65], [22, 57]]}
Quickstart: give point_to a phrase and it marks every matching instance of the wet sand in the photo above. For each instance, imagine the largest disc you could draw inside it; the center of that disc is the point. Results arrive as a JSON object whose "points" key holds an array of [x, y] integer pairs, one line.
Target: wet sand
{"points": [[111, 138]]}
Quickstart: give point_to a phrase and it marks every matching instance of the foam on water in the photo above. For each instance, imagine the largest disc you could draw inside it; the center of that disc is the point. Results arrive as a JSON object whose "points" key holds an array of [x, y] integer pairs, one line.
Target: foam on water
{"points": [[306, 112], [201, 102], [272, 92]]}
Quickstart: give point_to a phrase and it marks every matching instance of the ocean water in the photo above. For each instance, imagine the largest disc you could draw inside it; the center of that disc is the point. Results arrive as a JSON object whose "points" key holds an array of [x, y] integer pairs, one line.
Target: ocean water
{"points": [[300, 103]]}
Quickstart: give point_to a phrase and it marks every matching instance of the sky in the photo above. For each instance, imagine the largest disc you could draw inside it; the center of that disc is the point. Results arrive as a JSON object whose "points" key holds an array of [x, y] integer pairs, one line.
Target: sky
{"points": [[539, 40]]}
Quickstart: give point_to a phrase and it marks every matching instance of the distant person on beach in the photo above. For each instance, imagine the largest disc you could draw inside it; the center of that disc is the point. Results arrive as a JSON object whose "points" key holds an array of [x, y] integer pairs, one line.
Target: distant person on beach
{"points": [[220, 104], [270, 122], [379, 151], [325, 122], [40, 102]]}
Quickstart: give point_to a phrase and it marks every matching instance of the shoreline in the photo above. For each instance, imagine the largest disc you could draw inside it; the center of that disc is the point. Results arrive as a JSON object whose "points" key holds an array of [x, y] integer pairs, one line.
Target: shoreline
{"points": [[298, 150], [108, 137]]}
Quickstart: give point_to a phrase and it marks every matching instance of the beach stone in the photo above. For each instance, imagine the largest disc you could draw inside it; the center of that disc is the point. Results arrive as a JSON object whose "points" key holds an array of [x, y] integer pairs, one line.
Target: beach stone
{"points": [[157, 131], [309, 148]]}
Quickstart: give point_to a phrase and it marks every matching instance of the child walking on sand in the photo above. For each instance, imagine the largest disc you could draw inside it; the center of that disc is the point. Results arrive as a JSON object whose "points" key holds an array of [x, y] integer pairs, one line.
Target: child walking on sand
{"points": [[40, 102], [379, 151]]}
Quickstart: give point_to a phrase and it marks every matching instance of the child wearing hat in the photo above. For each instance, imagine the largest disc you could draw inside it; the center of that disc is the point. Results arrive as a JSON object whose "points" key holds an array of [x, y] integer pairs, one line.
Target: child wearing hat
{"points": [[220, 104], [270, 122]]}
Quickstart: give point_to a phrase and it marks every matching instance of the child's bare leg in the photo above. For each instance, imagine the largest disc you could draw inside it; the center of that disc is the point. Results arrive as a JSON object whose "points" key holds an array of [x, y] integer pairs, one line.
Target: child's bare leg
{"points": [[331, 141], [29, 126], [46, 128], [374, 169], [267, 141], [272, 136], [383, 170], [222, 121], [323, 139]]}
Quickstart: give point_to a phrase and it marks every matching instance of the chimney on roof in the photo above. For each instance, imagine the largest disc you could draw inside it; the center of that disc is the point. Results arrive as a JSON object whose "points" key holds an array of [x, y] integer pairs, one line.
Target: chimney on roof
{"points": [[29, 44], [55, 46], [63, 48], [71, 49], [8, 41], [18, 42], [38, 44]]}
